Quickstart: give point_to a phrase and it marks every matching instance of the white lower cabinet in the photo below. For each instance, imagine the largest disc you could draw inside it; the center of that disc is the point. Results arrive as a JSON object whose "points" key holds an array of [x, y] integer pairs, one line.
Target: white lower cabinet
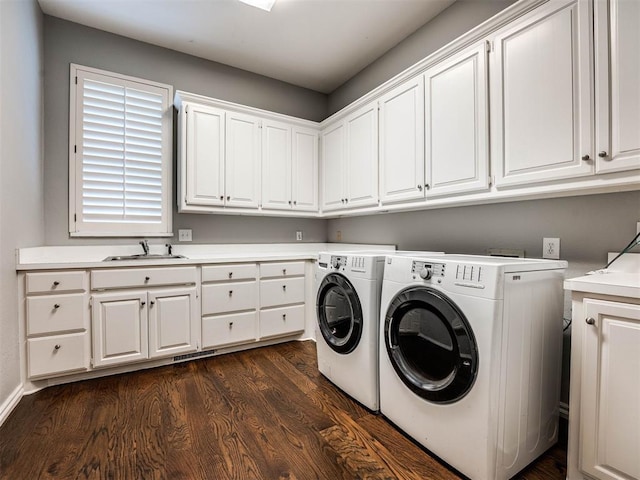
{"points": [[282, 295], [139, 325]]}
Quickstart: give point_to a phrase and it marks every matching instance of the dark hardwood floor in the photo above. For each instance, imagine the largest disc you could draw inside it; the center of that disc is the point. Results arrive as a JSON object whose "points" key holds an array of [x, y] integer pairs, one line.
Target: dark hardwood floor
{"points": [[265, 413]]}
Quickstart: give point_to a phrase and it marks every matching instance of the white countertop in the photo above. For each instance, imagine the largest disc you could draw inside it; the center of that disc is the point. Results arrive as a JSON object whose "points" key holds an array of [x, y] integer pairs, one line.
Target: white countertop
{"points": [[621, 279], [69, 257]]}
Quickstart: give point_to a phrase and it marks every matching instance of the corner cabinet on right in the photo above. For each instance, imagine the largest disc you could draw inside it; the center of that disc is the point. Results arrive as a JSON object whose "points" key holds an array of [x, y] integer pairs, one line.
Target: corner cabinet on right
{"points": [[604, 410]]}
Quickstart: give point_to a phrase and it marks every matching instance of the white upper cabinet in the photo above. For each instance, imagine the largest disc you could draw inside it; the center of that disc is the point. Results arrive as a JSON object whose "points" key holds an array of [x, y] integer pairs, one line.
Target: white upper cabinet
{"points": [[203, 128], [402, 142], [456, 124], [276, 165], [541, 96], [242, 187], [617, 63], [350, 160], [333, 160], [289, 167], [304, 188], [362, 157]]}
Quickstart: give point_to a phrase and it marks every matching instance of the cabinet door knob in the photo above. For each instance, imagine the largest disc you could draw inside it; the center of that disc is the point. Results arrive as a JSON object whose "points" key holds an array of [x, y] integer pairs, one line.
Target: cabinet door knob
{"points": [[284, 271], [230, 274], [426, 186], [142, 304], [289, 202], [228, 197], [146, 279], [284, 287], [295, 202], [56, 283], [221, 197], [586, 157], [56, 306], [284, 316], [152, 303], [230, 324], [590, 321], [602, 154], [57, 347], [230, 292], [420, 187]]}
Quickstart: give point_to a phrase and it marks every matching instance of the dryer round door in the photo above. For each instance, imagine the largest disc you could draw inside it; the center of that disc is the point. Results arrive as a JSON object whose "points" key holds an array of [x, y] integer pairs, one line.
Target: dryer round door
{"points": [[339, 313], [431, 344]]}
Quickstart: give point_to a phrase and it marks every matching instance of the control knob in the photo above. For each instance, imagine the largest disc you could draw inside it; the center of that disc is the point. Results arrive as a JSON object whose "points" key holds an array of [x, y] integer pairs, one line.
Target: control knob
{"points": [[426, 273], [335, 263]]}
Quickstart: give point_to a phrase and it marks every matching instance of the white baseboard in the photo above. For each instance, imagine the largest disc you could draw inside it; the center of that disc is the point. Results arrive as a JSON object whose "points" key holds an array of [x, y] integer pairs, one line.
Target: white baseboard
{"points": [[10, 403]]}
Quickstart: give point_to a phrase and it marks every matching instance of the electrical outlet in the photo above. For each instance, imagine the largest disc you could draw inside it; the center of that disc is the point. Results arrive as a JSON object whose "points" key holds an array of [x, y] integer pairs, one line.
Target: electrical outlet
{"points": [[551, 248], [184, 235], [299, 235]]}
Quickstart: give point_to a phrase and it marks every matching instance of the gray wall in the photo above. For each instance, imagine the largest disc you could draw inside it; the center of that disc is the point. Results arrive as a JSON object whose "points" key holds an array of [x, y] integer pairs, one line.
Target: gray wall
{"points": [[459, 18], [21, 213], [67, 42]]}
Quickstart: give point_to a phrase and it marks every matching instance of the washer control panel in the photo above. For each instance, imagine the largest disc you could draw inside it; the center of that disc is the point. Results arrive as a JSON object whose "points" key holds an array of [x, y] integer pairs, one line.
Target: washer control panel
{"points": [[338, 261], [427, 270]]}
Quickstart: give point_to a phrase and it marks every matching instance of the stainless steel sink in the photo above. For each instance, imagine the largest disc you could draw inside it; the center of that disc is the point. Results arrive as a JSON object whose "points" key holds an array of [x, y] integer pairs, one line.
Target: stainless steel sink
{"points": [[142, 256]]}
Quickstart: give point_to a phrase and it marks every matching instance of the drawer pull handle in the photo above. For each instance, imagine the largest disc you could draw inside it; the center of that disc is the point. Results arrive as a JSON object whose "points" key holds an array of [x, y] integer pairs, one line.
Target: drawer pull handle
{"points": [[230, 274], [284, 288], [57, 347], [152, 303], [56, 283], [230, 324], [146, 279], [284, 316], [590, 321], [142, 304], [56, 306], [284, 271], [230, 292]]}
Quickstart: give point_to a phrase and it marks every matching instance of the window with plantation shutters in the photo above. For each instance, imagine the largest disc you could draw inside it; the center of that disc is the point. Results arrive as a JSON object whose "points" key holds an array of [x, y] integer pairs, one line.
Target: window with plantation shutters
{"points": [[120, 159]]}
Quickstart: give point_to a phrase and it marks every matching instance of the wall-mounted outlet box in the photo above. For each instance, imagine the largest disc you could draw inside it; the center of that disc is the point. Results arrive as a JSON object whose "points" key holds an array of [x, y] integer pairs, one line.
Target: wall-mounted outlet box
{"points": [[184, 235], [551, 248]]}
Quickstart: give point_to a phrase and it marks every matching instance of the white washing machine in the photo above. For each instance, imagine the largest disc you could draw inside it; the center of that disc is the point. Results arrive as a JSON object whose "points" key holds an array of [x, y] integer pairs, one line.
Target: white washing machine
{"points": [[470, 357]]}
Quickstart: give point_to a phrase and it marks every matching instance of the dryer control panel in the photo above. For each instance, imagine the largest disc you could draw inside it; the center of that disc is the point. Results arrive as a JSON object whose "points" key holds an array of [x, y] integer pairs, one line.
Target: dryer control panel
{"points": [[338, 261], [427, 270]]}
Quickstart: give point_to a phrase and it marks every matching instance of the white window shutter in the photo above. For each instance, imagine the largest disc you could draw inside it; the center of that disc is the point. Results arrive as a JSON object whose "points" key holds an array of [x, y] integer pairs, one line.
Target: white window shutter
{"points": [[122, 156]]}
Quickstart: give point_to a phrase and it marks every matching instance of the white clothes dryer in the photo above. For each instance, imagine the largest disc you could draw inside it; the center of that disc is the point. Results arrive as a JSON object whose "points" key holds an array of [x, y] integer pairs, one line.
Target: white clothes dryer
{"points": [[470, 357]]}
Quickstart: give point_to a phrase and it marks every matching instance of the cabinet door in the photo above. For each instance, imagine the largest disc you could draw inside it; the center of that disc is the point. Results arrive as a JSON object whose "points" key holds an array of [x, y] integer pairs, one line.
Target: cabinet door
{"points": [[173, 322], [333, 158], [610, 410], [204, 169], [119, 323], [457, 130], [276, 166], [242, 163], [362, 157], [541, 96], [617, 27], [402, 142], [305, 170]]}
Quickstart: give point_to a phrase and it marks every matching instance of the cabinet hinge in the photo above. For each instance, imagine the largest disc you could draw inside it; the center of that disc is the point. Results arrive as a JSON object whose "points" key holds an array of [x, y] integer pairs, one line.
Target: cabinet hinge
{"points": [[75, 217], [489, 46], [75, 149], [76, 79]]}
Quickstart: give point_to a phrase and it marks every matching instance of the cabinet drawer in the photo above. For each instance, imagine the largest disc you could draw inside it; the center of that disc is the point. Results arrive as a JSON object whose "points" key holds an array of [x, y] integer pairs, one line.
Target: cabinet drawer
{"points": [[53, 282], [49, 356], [281, 269], [282, 291], [229, 297], [229, 329], [142, 277], [57, 313], [281, 321], [239, 271]]}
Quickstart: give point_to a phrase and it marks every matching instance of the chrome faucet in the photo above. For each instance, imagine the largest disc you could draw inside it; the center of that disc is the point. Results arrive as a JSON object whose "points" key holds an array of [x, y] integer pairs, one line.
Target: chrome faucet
{"points": [[145, 246], [169, 249]]}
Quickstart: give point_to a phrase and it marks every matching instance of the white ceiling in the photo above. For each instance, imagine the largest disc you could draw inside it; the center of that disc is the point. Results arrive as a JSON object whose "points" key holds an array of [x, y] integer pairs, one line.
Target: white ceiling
{"points": [[317, 44]]}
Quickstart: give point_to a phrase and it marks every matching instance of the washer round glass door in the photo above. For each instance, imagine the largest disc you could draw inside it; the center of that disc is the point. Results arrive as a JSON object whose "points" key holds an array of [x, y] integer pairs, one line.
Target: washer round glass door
{"points": [[431, 344], [339, 313]]}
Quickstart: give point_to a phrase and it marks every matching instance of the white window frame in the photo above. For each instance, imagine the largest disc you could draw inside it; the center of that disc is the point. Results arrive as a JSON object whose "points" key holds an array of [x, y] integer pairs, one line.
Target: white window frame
{"points": [[78, 227]]}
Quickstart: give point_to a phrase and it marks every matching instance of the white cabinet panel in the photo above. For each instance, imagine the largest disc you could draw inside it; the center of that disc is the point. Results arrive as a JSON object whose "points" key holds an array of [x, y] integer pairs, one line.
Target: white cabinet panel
{"points": [[204, 131], [541, 96], [57, 313], [457, 130], [242, 160], [276, 166], [281, 321], [610, 410], [617, 39], [333, 160], [57, 355], [305, 169], [173, 322], [55, 282], [230, 329], [402, 142], [120, 328], [362, 157]]}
